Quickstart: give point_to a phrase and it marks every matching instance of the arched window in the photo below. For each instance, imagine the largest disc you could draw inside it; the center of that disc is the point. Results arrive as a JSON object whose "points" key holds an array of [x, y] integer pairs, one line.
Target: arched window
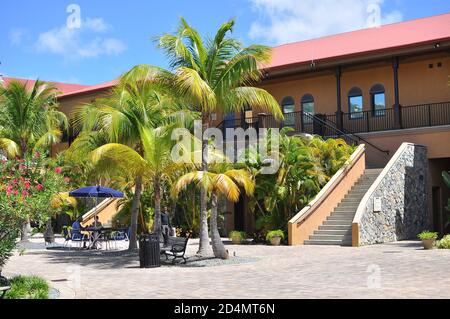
{"points": [[288, 107], [378, 100], [355, 103], [307, 103]]}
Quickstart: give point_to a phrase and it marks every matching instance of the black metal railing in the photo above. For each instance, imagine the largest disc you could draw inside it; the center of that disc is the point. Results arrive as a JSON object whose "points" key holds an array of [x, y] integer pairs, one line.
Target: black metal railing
{"points": [[326, 125], [330, 130], [435, 114]]}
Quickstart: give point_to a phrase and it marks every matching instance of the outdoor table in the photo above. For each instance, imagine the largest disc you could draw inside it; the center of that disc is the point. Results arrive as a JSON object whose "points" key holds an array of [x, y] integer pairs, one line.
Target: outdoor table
{"points": [[96, 234]]}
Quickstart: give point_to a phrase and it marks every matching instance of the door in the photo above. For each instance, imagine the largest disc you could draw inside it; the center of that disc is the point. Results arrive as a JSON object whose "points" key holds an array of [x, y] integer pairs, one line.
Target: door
{"points": [[239, 215], [437, 209]]}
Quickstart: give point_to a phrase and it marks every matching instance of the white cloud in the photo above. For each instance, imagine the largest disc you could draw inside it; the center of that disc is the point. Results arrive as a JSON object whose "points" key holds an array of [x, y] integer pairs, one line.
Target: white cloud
{"points": [[83, 42], [16, 36], [283, 21]]}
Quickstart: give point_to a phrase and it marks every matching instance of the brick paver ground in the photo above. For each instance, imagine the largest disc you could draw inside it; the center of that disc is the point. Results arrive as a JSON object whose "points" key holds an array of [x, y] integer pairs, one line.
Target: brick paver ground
{"points": [[397, 270]]}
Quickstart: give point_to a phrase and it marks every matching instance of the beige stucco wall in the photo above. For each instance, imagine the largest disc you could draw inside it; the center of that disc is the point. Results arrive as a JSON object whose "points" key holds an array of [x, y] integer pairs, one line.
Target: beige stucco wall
{"points": [[418, 84], [436, 139]]}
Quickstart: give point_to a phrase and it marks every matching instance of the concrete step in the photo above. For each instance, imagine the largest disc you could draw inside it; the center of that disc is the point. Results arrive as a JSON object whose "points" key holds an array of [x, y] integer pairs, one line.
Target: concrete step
{"points": [[331, 237], [348, 205], [345, 218], [335, 227], [337, 223], [351, 200], [342, 232], [349, 213], [328, 242]]}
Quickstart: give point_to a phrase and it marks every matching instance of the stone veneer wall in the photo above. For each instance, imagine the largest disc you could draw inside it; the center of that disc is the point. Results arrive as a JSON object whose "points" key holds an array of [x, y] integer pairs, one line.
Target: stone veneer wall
{"points": [[402, 187]]}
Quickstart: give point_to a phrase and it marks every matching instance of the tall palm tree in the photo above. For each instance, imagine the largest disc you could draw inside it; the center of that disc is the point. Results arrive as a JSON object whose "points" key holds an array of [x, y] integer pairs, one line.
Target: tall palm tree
{"points": [[152, 164], [29, 118], [124, 119], [223, 181], [215, 75]]}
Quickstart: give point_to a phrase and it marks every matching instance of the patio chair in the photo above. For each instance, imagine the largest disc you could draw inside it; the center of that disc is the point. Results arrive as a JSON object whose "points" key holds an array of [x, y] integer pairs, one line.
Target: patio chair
{"points": [[71, 237], [119, 235]]}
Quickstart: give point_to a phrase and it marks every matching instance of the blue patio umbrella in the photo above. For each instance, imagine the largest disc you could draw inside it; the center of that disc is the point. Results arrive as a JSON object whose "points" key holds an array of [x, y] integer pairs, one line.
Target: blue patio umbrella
{"points": [[96, 192]]}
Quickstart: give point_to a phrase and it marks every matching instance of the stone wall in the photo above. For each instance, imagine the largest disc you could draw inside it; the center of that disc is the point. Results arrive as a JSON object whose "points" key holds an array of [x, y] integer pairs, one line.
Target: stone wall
{"points": [[402, 187]]}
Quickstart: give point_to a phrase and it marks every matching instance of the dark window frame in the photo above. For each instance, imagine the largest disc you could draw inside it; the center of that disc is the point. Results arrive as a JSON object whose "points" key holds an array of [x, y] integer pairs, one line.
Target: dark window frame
{"points": [[288, 101], [355, 92], [307, 98], [375, 90]]}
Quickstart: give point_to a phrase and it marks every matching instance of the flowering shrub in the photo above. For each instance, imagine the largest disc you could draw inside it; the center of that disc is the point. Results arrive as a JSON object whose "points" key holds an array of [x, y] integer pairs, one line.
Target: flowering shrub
{"points": [[26, 189]]}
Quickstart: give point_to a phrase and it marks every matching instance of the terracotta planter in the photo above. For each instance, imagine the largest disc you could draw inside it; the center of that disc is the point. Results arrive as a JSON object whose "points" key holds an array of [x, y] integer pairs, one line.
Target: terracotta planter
{"points": [[236, 240], [429, 243], [275, 241]]}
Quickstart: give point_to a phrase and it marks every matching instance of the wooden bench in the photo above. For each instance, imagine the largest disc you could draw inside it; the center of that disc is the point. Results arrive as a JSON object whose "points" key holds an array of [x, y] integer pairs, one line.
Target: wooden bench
{"points": [[4, 286], [175, 248]]}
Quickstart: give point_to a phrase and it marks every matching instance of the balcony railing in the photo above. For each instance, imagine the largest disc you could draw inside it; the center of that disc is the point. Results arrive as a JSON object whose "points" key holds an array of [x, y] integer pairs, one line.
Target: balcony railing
{"points": [[412, 116]]}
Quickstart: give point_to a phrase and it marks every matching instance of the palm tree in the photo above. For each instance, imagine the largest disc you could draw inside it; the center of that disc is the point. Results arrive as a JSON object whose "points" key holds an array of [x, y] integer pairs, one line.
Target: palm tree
{"points": [[215, 75], [224, 181], [153, 163], [29, 118], [124, 120]]}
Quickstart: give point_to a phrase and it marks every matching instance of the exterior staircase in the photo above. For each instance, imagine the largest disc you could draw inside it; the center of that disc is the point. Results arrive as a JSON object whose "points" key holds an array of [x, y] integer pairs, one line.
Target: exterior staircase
{"points": [[337, 228]]}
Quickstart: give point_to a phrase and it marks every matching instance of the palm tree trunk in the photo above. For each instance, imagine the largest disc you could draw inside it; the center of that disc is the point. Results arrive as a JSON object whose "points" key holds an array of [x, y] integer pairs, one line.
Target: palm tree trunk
{"points": [[217, 244], [135, 213], [157, 220], [204, 246], [25, 232]]}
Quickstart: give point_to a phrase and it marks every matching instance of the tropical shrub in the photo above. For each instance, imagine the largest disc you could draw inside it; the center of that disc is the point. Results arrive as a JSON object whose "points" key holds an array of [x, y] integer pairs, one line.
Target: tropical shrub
{"points": [[275, 233], [427, 235], [237, 234], [307, 164], [9, 231], [28, 288], [27, 186], [444, 243]]}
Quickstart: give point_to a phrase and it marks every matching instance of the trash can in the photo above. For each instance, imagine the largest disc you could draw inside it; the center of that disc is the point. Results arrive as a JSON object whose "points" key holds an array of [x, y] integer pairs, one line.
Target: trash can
{"points": [[149, 252]]}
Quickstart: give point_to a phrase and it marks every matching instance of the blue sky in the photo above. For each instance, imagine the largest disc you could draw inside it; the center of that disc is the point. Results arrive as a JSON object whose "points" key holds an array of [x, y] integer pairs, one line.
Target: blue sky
{"points": [[35, 40]]}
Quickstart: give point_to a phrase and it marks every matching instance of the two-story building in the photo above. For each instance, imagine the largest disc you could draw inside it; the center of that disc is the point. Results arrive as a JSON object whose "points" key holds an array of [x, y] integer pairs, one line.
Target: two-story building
{"points": [[379, 86]]}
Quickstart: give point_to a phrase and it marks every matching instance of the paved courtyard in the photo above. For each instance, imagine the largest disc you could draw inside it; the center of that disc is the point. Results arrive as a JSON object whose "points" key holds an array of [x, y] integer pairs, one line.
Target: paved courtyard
{"points": [[397, 270]]}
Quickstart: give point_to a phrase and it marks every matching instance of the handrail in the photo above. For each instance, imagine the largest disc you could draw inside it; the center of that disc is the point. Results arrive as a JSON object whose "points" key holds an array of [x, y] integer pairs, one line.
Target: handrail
{"points": [[343, 131]]}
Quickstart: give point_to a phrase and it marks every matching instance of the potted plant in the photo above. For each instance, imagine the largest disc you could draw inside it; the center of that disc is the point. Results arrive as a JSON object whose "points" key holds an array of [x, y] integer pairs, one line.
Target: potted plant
{"points": [[275, 237], [237, 236], [428, 239]]}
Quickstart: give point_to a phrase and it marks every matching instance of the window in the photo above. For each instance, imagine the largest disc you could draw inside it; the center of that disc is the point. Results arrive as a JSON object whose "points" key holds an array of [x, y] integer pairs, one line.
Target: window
{"points": [[307, 103], [378, 100], [355, 103], [288, 106]]}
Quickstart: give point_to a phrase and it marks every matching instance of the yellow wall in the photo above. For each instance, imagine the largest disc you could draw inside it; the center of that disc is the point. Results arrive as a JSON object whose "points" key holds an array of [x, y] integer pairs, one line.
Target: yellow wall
{"points": [[417, 84]]}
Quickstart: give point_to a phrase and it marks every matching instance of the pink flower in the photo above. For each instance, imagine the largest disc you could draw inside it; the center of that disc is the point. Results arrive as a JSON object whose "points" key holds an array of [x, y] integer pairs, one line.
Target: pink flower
{"points": [[16, 192], [24, 193], [58, 170], [27, 185], [39, 187], [15, 181], [67, 179], [37, 155]]}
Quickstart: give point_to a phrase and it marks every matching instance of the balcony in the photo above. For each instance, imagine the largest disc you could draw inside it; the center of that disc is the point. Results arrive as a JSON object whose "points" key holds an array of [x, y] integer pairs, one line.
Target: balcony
{"points": [[413, 116]]}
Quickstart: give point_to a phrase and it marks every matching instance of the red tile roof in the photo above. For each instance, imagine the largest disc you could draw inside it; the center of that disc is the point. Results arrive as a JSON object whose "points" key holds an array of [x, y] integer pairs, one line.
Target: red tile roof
{"points": [[92, 88], [388, 37], [403, 34], [62, 87]]}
